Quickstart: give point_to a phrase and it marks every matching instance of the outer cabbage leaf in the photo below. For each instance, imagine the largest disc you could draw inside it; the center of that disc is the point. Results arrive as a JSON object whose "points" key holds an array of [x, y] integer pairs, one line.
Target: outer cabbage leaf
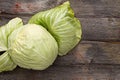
{"points": [[6, 30], [6, 64], [62, 24], [32, 47]]}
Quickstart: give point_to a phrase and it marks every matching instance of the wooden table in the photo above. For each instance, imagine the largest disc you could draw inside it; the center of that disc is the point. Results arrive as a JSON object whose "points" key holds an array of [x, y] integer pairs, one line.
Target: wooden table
{"points": [[96, 57]]}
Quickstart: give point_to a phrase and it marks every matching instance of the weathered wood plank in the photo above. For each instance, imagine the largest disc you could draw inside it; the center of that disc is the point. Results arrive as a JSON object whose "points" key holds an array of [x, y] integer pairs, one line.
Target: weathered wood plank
{"points": [[96, 8], [101, 29], [27, 6], [92, 52], [82, 8], [81, 72], [94, 29], [99, 8]]}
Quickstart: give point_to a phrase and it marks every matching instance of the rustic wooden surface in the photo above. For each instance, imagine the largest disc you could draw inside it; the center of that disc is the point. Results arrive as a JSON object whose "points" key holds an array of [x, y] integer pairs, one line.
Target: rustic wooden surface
{"points": [[81, 72], [96, 57]]}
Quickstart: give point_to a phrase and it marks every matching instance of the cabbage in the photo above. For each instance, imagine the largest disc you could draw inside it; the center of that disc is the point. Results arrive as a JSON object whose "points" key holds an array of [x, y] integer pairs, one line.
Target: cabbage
{"points": [[32, 46], [62, 25], [6, 64], [37, 44]]}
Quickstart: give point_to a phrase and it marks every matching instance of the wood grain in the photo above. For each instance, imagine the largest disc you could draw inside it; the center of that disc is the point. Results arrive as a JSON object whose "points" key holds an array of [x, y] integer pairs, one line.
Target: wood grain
{"points": [[82, 8], [101, 29], [92, 52], [27, 6], [96, 8], [81, 72]]}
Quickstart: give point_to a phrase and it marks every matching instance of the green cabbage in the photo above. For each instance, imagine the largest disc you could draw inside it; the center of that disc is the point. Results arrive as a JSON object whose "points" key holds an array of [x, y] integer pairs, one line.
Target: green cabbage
{"points": [[32, 46], [62, 25], [37, 44], [6, 64]]}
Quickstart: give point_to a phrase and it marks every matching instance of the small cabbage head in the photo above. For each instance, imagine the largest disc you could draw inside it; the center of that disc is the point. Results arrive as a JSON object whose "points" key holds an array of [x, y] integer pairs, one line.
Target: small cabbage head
{"points": [[33, 47]]}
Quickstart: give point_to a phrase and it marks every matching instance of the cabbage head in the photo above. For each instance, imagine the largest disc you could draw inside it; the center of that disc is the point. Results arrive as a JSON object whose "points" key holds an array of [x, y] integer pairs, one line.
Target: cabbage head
{"points": [[62, 25], [33, 47]]}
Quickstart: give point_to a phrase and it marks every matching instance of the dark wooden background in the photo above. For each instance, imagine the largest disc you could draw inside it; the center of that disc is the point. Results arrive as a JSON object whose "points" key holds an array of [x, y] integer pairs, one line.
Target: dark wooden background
{"points": [[96, 57]]}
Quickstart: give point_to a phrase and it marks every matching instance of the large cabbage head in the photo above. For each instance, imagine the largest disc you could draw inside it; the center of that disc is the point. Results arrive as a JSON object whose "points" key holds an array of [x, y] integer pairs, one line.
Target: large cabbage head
{"points": [[62, 24], [33, 47]]}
